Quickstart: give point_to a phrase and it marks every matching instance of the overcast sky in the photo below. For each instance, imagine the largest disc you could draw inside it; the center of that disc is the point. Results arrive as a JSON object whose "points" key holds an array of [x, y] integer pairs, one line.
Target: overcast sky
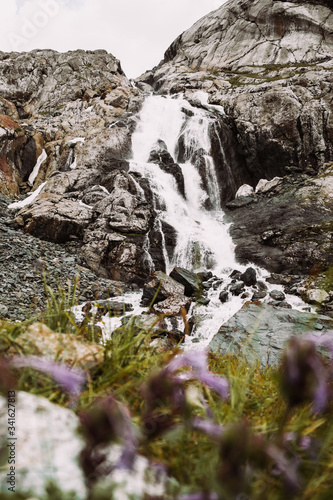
{"points": [[135, 31]]}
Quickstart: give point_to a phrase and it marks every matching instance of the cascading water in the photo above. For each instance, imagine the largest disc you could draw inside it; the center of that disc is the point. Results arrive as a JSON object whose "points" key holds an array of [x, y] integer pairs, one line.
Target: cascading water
{"points": [[203, 240]]}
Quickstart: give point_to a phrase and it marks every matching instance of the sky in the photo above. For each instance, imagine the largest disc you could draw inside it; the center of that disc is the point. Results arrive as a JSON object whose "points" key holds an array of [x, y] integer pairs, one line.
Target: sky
{"points": [[135, 31]]}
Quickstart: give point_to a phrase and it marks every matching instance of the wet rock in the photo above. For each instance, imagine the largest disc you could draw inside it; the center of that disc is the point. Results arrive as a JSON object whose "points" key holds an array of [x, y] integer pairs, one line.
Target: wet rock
{"points": [[237, 288], [205, 275], [258, 295], [172, 306], [224, 296], [249, 278], [109, 307], [160, 287], [190, 280], [203, 301], [277, 295], [259, 331], [162, 157]]}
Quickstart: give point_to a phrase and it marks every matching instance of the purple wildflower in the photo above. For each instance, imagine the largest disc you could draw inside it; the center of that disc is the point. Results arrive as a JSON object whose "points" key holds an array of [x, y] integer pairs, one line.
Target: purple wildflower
{"points": [[208, 427], [304, 377], [166, 388], [200, 371], [106, 422], [71, 379]]}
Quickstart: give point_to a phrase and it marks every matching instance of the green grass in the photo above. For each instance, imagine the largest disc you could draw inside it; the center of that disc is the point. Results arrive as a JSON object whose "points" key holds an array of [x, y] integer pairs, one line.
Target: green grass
{"points": [[256, 411]]}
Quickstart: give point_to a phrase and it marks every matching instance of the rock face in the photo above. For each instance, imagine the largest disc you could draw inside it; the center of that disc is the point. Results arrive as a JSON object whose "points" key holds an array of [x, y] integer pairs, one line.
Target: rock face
{"points": [[242, 33], [289, 228], [266, 67], [268, 63], [78, 106]]}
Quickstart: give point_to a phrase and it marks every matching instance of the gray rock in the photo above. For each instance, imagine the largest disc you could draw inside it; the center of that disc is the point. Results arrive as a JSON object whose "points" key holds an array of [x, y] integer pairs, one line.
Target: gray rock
{"points": [[3, 310], [42, 426], [237, 288], [159, 287], [190, 280], [54, 218], [277, 295], [260, 331], [259, 295]]}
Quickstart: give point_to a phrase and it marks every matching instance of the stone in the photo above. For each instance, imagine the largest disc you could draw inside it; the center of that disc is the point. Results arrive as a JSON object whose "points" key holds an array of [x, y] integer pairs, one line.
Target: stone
{"points": [[249, 277], [49, 432], [190, 280], [243, 201], [66, 348], [277, 295], [244, 191], [172, 306], [224, 296], [54, 218], [237, 288], [3, 310], [260, 331], [160, 287], [162, 157], [264, 186], [258, 295], [316, 296]]}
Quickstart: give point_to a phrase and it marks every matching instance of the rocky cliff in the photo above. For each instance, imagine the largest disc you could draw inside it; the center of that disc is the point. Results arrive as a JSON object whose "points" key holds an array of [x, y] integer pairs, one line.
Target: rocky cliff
{"points": [[79, 108], [266, 63], [269, 64]]}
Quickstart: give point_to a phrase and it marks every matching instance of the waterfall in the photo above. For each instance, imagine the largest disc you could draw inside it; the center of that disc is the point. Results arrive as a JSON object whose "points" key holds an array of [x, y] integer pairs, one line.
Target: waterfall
{"points": [[202, 237], [203, 240]]}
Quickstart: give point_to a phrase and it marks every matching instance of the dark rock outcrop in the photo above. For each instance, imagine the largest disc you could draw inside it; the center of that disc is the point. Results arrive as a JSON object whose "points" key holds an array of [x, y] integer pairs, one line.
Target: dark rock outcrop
{"points": [[162, 157], [288, 229]]}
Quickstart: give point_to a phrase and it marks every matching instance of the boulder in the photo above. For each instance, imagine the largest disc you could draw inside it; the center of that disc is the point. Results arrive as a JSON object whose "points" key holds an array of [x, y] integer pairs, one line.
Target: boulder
{"points": [[54, 218], [277, 295], [49, 432], [172, 306], [224, 296], [316, 296], [244, 191], [190, 280], [259, 331], [160, 287], [249, 277], [66, 348]]}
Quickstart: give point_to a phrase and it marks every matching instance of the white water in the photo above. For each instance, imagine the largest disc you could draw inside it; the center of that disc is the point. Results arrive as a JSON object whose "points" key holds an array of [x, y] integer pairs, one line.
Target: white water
{"points": [[203, 241]]}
